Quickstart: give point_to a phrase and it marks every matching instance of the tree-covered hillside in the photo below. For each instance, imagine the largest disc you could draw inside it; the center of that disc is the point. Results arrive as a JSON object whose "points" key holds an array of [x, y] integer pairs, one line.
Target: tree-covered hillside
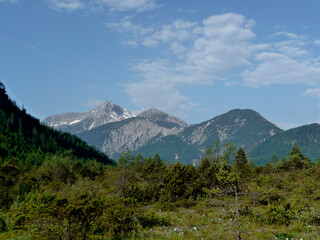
{"points": [[307, 137], [24, 138]]}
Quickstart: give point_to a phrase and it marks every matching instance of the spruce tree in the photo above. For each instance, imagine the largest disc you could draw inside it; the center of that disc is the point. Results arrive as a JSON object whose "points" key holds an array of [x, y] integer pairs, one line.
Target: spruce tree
{"points": [[240, 160]]}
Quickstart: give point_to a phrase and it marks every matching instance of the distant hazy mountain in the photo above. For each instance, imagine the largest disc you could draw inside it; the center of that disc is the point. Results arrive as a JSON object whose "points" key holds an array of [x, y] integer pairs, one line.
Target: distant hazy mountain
{"points": [[307, 137], [133, 133], [244, 128], [79, 122]]}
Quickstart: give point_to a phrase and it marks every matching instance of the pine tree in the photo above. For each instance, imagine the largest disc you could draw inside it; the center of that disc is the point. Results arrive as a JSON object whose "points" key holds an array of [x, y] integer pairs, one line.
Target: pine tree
{"points": [[240, 160]]}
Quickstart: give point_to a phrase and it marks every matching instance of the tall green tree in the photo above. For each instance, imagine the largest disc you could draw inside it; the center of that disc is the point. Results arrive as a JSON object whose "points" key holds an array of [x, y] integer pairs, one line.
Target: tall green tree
{"points": [[240, 161]]}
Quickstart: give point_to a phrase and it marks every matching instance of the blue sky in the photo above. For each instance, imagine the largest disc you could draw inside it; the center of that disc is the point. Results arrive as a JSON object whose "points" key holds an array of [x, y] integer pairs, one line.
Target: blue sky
{"points": [[193, 59]]}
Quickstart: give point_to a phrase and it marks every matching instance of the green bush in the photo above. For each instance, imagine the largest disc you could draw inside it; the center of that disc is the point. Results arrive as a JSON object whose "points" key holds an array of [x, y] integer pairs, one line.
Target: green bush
{"points": [[278, 214], [153, 220], [269, 196], [3, 225], [19, 222], [284, 236], [122, 221], [311, 217]]}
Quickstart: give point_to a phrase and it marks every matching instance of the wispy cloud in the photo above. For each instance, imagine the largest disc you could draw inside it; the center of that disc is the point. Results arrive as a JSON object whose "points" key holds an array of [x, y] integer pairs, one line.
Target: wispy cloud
{"points": [[287, 34], [125, 25], [203, 53], [313, 92], [126, 5], [111, 5], [161, 96], [67, 5], [277, 68], [175, 32], [284, 62], [219, 48]]}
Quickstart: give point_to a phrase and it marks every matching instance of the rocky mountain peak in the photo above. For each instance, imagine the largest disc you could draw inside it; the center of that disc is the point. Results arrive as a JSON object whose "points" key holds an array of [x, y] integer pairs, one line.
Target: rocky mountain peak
{"points": [[109, 109], [159, 116], [106, 112]]}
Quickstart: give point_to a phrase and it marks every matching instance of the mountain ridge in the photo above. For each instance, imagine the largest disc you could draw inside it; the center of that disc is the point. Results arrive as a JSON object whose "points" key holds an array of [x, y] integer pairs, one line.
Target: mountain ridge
{"points": [[154, 131], [77, 122], [132, 133], [245, 128]]}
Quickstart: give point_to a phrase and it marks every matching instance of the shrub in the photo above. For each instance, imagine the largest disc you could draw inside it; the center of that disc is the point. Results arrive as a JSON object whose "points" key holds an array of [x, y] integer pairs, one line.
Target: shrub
{"points": [[269, 196], [153, 220], [19, 222], [278, 214], [3, 225], [122, 221]]}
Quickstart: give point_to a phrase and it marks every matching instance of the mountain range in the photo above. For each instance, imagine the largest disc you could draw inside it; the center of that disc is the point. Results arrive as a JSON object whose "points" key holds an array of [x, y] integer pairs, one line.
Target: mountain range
{"points": [[112, 129]]}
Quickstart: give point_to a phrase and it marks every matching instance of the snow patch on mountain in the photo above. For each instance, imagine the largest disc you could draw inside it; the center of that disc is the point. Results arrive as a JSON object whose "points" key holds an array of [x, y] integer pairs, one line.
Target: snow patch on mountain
{"points": [[77, 122]]}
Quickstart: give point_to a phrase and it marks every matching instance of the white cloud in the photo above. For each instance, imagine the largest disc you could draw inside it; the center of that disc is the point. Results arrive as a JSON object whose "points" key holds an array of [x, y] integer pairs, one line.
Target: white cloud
{"points": [[287, 34], [204, 53], [178, 31], [317, 42], [225, 43], [313, 92], [126, 25], [125, 5], [68, 5], [277, 68], [98, 5], [287, 61], [220, 48], [159, 95]]}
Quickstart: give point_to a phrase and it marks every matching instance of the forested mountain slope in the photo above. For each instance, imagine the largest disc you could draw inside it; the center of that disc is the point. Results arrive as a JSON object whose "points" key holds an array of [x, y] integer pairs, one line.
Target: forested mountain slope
{"points": [[25, 139], [307, 137]]}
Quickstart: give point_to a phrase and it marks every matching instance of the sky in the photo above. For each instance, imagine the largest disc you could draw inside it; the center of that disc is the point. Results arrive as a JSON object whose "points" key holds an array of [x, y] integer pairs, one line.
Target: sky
{"points": [[192, 59]]}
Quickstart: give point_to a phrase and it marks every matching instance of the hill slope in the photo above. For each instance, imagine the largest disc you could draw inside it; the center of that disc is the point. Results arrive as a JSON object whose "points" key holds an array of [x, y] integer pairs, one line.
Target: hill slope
{"points": [[24, 138], [307, 138]]}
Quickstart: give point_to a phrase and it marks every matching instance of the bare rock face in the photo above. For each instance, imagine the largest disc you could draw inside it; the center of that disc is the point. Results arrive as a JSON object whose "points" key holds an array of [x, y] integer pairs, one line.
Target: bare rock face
{"points": [[133, 133], [78, 122]]}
